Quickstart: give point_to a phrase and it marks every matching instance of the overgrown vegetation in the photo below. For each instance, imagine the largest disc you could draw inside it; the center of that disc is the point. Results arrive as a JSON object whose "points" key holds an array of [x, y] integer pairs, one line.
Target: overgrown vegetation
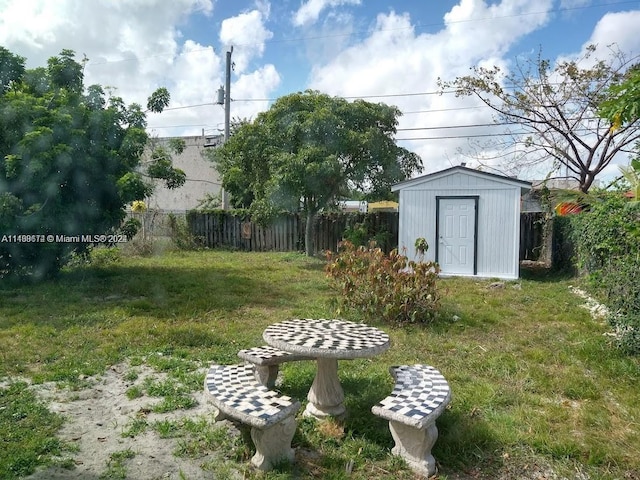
{"points": [[362, 234], [607, 249], [181, 235], [383, 286], [27, 431]]}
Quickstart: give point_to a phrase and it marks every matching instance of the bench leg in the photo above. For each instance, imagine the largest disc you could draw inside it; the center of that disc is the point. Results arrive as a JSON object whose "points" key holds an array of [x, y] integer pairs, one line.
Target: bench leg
{"points": [[273, 444], [266, 375], [414, 445]]}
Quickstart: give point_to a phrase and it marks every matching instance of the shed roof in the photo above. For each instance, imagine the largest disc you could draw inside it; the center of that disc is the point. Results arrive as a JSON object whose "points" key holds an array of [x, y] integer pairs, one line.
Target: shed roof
{"points": [[524, 185]]}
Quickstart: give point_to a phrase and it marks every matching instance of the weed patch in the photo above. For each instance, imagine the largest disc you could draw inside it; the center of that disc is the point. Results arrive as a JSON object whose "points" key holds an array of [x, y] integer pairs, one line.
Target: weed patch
{"points": [[27, 430]]}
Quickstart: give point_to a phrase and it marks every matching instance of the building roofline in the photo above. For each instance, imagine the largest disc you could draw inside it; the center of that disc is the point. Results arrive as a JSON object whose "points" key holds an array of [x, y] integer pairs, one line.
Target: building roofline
{"points": [[523, 184]]}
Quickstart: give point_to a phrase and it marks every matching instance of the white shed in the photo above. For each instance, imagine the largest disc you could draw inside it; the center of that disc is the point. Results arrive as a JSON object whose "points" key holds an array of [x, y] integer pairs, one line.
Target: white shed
{"points": [[469, 218]]}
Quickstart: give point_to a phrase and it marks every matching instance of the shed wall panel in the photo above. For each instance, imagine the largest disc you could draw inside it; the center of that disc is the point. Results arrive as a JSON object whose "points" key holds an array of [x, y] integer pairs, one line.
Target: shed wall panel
{"points": [[495, 244], [497, 222]]}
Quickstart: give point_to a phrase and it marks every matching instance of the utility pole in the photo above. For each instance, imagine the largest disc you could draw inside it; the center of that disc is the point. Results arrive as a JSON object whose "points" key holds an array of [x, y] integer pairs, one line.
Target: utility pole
{"points": [[224, 95], [227, 96]]}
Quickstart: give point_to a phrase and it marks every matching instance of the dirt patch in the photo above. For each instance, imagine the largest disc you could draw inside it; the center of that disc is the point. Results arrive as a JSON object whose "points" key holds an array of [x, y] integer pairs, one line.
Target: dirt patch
{"points": [[96, 417]]}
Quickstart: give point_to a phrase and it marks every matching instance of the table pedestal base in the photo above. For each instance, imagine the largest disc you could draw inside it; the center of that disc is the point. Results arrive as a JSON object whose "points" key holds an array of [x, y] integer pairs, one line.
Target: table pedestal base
{"points": [[326, 397]]}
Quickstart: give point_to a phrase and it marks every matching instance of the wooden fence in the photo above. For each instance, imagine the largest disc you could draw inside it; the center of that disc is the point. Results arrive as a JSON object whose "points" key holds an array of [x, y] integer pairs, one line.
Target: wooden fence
{"points": [[226, 230], [531, 235], [220, 230]]}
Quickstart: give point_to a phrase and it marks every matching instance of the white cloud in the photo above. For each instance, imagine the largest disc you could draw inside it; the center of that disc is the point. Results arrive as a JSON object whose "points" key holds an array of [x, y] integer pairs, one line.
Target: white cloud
{"points": [[136, 46], [395, 59], [255, 85], [309, 12], [620, 28], [476, 29], [264, 7], [249, 33], [42, 28], [325, 41], [570, 4]]}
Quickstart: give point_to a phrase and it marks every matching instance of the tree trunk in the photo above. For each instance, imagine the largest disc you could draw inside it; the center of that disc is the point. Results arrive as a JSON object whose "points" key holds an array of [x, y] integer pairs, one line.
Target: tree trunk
{"points": [[308, 234]]}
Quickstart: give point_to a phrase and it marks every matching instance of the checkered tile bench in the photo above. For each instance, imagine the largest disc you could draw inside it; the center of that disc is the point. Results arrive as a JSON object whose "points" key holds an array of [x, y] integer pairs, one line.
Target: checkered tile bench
{"points": [[267, 361], [238, 395], [420, 395]]}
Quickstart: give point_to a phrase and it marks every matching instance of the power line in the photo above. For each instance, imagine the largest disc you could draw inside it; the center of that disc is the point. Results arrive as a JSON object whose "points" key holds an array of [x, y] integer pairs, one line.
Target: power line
{"points": [[454, 137], [458, 126], [445, 109], [381, 95], [442, 127], [178, 126], [355, 97], [479, 135], [190, 106]]}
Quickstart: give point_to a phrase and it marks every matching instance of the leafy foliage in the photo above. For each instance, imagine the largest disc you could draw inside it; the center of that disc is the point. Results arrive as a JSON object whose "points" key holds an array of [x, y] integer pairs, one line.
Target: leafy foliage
{"points": [[607, 243], [364, 232], [631, 175], [11, 69], [390, 287], [70, 161], [181, 235], [310, 149], [555, 109], [622, 105]]}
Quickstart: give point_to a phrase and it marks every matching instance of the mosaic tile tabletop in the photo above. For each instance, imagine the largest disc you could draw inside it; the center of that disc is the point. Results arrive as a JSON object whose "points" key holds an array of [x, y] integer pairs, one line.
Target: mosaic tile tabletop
{"points": [[327, 338]]}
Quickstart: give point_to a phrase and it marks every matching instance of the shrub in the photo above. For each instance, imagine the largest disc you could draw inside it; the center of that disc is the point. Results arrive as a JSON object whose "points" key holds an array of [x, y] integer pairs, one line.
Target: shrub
{"points": [[364, 232], [356, 234], [607, 240], [390, 287], [104, 256], [181, 235]]}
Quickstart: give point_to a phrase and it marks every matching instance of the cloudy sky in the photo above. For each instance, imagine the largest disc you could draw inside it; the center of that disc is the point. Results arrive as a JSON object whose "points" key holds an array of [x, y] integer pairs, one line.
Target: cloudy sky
{"points": [[382, 50]]}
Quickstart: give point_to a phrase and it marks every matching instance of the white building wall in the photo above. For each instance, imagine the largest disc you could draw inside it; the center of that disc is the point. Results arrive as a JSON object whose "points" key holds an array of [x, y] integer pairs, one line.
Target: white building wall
{"points": [[498, 226], [498, 220], [202, 179]]}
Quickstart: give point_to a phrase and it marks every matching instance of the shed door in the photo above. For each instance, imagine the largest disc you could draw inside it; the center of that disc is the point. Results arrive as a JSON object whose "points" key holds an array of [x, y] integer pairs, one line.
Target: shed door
{"points": [[456, 231]]}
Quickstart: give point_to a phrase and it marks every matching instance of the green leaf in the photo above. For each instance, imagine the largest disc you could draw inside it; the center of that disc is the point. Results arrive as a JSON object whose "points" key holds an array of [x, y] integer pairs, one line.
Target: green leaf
{"points": [[158, 100]]}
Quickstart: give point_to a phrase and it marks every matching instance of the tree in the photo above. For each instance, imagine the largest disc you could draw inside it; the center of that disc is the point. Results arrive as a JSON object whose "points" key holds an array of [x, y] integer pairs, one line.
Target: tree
{"points": [[554, 112], [308, 151], [70, 162], [622, 107], [11, 69]]}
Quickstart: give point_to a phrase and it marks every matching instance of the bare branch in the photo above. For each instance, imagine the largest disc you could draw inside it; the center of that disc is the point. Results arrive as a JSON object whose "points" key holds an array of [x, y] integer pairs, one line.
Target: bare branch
{"points": [[555, 107]]}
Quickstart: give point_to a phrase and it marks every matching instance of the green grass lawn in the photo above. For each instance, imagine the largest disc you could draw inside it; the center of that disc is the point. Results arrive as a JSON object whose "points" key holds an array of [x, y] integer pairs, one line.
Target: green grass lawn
{"points": [[536, 385]]}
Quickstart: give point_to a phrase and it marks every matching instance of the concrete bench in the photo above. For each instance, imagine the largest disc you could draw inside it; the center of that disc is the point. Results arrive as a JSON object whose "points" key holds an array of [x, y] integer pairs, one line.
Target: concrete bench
{"points": [[238, 395], [419, 396], [267, 361]]}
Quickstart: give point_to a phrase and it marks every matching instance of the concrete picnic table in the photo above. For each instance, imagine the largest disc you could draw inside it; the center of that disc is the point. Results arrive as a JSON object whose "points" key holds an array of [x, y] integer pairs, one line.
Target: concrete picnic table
{"points": [[327, 341]]}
